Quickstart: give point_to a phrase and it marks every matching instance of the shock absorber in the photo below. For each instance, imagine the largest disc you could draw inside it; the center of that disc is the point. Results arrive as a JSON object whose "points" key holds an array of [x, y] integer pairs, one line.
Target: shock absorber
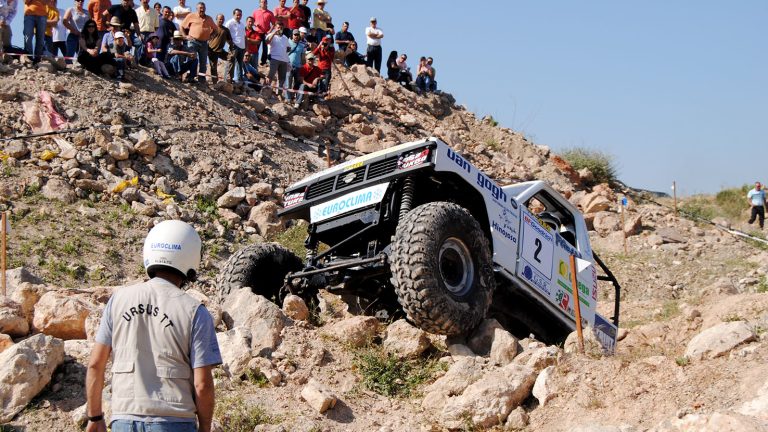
{"points": [[406, 203], [311, 245]]}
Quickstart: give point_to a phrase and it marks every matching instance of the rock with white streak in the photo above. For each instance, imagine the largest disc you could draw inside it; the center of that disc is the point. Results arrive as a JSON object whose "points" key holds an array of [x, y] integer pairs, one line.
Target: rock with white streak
{"points": [[719, 340], [235, 347], [405, 340], [318, 396], [504, 347], [543, 388], [61, 315]]}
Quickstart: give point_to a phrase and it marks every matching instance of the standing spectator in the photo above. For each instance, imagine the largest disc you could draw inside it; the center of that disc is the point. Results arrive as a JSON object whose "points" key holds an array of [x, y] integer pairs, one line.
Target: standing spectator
{"points": [[74, 20], [344, 37], [216, 52], [393, 70], [149, 19], [325, 55], [181, 59], [50, 23], [252, 41], [278, 55], [165, 32], [7, 11], [296, 18], [162, 354], [306, 13], [59, 35], [757, 201], [122, 53], [373, 36], [127, 16], [352, 57], [264, 20], [180, 13], [158, 8], [97, 9], [6, 34], [282, 15], [90, 57], [197, 28], [237, 49], [320, 21], [296, 50], [151, 51], [312, 79]]}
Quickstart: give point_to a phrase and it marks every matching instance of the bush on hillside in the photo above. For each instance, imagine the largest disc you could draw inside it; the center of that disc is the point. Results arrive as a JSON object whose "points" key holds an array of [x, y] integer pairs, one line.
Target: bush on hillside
{"points": [[733, 201], [600, 164], [729, 203]]}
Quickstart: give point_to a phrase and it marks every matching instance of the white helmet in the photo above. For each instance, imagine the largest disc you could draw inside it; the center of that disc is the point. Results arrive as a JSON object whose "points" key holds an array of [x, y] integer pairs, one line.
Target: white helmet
{"points": [[173, 244]]}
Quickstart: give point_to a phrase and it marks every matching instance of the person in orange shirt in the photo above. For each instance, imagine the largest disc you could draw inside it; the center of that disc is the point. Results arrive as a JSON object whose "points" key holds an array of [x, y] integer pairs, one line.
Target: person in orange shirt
{"points": [[96, 9], [197, 29], [52, 20], [35, 20]]}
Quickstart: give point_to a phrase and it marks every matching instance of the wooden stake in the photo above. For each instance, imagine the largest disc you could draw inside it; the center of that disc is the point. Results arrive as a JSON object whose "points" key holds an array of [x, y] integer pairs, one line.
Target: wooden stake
{"points": [[3, 222], [577, 306], [674, 195], [623, 231], [328, 155]]}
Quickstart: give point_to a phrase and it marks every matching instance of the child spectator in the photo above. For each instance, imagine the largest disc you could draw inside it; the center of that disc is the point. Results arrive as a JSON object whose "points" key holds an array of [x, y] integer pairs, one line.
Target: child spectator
{"points": [[352, 57], [74, 20], [152, 49], [122, 53]]}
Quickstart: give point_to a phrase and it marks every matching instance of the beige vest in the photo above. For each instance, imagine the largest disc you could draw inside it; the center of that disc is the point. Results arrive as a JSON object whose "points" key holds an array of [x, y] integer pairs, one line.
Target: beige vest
{"points": [[151, 334]]}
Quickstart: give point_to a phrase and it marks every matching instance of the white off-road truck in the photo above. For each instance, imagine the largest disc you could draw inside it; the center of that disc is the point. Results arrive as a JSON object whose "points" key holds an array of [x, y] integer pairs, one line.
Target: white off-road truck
{"points": [[418, 229]]}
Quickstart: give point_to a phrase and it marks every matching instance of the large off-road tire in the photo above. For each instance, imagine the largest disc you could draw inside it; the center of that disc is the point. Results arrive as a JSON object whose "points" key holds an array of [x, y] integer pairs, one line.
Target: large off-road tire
{"points": [[441, 268], [262, 267]]}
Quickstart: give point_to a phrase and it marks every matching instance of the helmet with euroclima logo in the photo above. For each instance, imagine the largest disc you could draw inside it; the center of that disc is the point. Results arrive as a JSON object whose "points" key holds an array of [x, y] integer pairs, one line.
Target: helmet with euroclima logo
{"points": [[173, 245]]}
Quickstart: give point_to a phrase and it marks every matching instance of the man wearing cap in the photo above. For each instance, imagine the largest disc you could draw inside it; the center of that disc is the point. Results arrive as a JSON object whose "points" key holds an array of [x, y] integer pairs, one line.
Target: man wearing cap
{"points": [[278, 55], [296, 51], [311, 77], [237, 48], [96, 9], [320, 20], [197, 29], [757, 201], [108, 40], [181, 59], [325, 54], [263, 20], [165, 33], [373, 36], [162, 342]]}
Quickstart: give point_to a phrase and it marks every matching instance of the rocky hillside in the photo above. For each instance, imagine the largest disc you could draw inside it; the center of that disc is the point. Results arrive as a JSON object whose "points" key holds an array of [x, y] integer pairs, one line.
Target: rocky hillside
{"points": [[692, 349]]}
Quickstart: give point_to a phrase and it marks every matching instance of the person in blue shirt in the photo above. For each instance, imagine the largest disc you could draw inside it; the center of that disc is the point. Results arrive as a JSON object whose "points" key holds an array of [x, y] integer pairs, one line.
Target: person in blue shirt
{"points": [[756, 199], [296, 50]]}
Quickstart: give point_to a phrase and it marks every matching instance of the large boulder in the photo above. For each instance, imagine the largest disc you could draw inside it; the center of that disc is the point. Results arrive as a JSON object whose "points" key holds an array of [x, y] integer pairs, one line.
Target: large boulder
{"points": [[264, 319], [718, 340], [299, 126], [17, 276], [58, 189], [213, 308], [60, 315], [357, 331], [504, 347], [12, 321], [232, 198], [405, 340], [295, 308], [488, 401], [5, 342], [460, 375], [264, 217], [235, 347], [595, 202], [481, 340], [25, 369]]}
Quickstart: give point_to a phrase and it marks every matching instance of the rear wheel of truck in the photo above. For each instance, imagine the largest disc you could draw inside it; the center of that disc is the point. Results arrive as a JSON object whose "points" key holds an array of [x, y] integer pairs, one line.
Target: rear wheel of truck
{"points": [[442, 269], [261, 267]]}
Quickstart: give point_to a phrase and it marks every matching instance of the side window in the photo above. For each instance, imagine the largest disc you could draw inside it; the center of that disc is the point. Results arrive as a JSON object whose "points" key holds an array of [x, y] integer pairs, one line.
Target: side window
{"points": [[553, 215]]}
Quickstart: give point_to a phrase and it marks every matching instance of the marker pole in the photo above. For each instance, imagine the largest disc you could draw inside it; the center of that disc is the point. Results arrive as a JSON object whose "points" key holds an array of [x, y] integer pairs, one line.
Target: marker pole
{"points": [[3, 222], [674, 195], [576, 305]]}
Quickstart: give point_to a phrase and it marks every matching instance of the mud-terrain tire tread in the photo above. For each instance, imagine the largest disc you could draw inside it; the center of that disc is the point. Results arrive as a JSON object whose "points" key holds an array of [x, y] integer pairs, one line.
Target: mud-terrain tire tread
{"points": [[237, 271], [415, 271]]}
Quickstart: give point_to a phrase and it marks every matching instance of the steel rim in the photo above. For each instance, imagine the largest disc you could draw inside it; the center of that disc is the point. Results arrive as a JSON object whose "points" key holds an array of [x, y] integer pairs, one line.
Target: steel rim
{"points": [[456, 268]]}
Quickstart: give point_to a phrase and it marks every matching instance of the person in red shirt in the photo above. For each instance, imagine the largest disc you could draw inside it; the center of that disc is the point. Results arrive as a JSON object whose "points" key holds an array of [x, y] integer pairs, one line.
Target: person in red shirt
{"points": [[297, 17], [325, 53], [264, 20], [312, 79], [252, 41], [282, 15]]}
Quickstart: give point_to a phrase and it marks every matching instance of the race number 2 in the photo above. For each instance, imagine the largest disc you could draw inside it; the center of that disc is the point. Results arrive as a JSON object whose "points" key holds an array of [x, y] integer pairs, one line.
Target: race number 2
{"points": [[538, 245]]}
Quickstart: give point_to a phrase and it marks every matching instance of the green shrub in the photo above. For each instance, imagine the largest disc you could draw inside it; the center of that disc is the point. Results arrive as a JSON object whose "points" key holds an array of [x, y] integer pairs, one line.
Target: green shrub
{"points": [[236, 416], [390, 376], [293, 238], [733, 202], [600, 164]]}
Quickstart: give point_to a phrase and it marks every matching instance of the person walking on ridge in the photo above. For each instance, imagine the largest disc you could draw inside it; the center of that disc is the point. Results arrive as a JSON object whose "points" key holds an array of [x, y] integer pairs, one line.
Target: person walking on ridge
{"points": [[756, 198]]}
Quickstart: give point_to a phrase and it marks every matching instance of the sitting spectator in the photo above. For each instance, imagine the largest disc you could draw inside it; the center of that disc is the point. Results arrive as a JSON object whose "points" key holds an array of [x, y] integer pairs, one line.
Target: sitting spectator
{"points": [[122, 53], [278, 55], [90, 57], [74, 20], [432, 73], [220, 37], [296, 51], [325, 54], [424, 76], [344, 38], [109, 37], [353, 57], [404, 76], [393, 70], [181, 59], [312, 79], [252, 76], [151, 51]]}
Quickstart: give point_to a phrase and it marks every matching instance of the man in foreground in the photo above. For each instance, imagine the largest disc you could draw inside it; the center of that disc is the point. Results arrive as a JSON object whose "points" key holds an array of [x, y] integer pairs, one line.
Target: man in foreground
{"points": [[164, 344]]}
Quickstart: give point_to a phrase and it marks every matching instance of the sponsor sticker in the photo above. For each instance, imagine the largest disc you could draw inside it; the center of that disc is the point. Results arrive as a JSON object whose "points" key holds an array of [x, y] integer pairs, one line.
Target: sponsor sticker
{"points": [[347, 203], [412, 159], [606, 333], [293, 199], [536, 279]]}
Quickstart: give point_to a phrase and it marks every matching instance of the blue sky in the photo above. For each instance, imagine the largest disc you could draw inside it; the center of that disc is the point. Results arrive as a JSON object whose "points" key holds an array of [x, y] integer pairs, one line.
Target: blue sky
{"points": [[675, 91]]}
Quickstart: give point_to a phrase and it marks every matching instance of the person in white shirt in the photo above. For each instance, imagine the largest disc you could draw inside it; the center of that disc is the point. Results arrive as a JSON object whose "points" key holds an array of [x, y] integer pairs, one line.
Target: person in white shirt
{"points": [[278, 54], [236, 52], [180, 12], [59, 36], [373, 36], [149, 20]]}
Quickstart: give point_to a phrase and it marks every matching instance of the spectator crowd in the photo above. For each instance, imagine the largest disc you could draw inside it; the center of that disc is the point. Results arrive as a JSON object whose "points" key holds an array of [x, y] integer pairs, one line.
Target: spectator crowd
{"points": [[297, 48]]}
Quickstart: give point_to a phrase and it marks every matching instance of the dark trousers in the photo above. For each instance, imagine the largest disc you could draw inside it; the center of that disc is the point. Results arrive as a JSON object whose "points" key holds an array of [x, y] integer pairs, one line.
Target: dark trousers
{"points": [[758, 212], [373, 57], [213, 59]]}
